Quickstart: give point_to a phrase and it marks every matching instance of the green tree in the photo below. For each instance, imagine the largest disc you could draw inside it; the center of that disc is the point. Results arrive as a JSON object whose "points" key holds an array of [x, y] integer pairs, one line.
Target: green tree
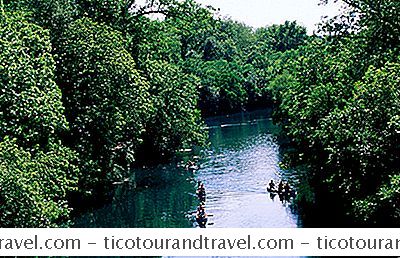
{"points": [[377, 23], [176, 122], [36, 171], [195, 25], [30, 101], [324, 76], [35, 185], [54, 15], [106, 99], [343, 117], [222, 86], [156, 41], [362, 137], [280, 37], [230, 41], [272, 52]]}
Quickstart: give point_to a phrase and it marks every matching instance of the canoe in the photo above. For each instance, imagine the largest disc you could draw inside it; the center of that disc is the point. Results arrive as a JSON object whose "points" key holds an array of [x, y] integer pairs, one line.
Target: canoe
{"points": [[201, 194], [202, 221], [291, 193], [272, 190], [202, 198]]}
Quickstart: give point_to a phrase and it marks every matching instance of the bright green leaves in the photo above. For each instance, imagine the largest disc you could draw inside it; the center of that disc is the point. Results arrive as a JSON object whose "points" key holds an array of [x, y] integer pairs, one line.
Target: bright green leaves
{"points": [[281, 38], [344, 116], [34, 187], [158, 41], [107, 100], [377, 23], [110, 12], [363, 132], [36, 171], [30, 101], [54, 15], [319, 83], [194, 24], [230, 41], [121, 111]]}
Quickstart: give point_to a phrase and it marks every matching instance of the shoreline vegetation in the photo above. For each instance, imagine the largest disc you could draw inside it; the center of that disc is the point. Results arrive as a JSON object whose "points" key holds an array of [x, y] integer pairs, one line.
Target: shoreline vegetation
{"points": [[93, 88]]}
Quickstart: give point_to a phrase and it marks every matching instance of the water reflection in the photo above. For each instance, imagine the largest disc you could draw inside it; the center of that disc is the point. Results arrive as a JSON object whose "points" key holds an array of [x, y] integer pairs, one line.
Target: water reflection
{"points": [[242, 159], [235, 169], [162, 199]]}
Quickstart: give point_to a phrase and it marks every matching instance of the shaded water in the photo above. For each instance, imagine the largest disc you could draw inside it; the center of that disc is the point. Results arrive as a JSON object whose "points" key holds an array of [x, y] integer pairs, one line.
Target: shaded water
{"points": [[242, 157]]}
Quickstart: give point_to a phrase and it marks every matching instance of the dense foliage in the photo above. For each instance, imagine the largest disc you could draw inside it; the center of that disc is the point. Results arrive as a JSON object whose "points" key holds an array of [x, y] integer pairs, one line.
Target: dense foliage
{"points": [[30, 100], [339, 102], [34, 186], [36, 171], [175, 122], [106, 99]]}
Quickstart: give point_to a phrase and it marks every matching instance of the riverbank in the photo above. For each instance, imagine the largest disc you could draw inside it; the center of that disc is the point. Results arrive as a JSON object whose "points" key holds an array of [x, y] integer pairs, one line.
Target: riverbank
{"points": [[242, 157]]}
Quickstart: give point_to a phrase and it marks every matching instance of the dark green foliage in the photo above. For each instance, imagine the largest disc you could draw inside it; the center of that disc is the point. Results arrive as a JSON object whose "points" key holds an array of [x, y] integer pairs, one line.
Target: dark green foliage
{"points": [[378, 20], [354, 127], [337, 95], [343, 114], [194, 24], [263, 72], [222, 86], [176, 122], [322, 82], [54, 15], [110, 11], [107, 101], [230, 41], [157, 41], [115, 113], [382, 205], [362, 137], [212, 47], [280, 37]]}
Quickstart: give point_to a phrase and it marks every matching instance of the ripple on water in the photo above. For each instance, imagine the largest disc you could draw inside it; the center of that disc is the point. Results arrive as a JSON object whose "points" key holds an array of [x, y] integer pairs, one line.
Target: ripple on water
{"points": [[235, 170]]}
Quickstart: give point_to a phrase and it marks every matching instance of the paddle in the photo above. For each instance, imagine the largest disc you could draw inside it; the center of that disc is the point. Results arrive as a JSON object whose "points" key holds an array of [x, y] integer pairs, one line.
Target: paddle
{"points": [[208, 214]]}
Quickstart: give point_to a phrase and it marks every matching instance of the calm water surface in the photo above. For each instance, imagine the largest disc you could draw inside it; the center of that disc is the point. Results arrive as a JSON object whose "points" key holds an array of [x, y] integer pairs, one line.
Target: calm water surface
{"points": [[242, 157]]}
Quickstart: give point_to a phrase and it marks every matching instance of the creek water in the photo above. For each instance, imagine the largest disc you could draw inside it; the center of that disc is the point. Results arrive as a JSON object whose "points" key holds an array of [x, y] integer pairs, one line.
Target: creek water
{"points": [[243, 155]]}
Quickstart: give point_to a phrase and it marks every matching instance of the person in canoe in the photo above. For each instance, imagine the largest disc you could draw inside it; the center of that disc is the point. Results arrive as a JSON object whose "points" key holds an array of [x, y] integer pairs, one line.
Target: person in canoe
{"points": [[287, 188], [201, 216], [271, 186], [201, 191], [281, 187]]}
